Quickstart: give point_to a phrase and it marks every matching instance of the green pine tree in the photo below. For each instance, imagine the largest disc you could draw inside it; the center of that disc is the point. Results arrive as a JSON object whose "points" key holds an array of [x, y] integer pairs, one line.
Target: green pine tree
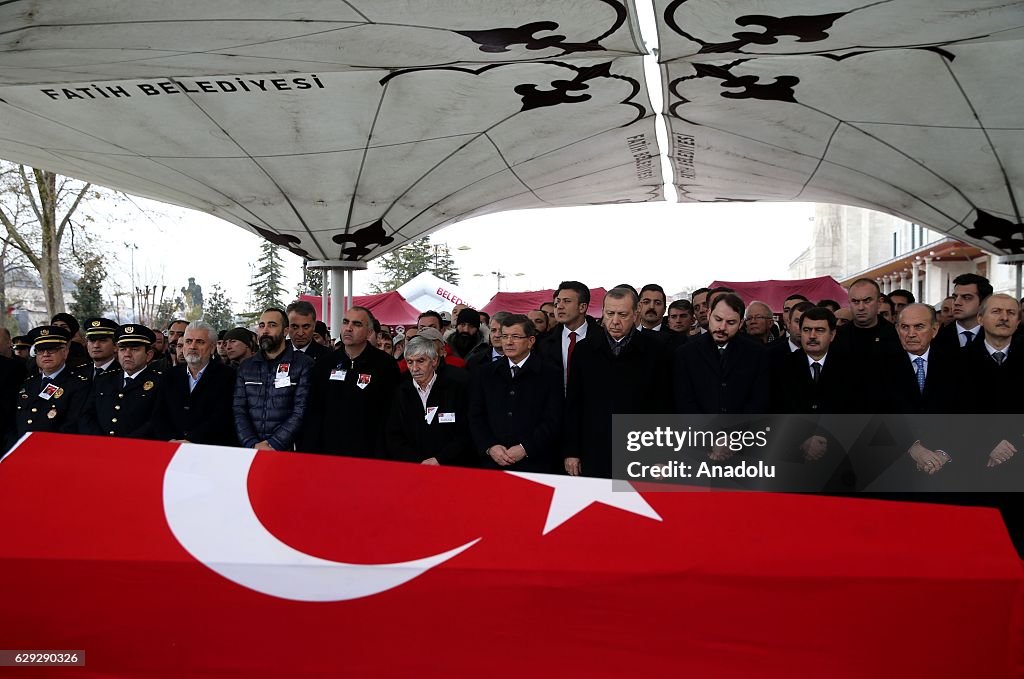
{"points": [[267, 285], [402, 265], [312, 281], [88, 295]]}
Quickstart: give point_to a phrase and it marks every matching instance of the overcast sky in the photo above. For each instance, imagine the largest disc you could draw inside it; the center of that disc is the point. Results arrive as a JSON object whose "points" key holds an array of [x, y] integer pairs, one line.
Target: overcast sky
{"points": [[676, 245]]}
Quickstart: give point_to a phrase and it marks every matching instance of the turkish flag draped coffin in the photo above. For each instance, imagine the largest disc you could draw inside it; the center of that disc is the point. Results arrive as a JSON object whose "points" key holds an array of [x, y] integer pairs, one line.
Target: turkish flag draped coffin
{"points": [[189, 561]]}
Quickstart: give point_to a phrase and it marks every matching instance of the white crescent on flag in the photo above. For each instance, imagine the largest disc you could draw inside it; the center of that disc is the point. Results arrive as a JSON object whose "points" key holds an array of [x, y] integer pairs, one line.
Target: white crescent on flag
{"points": [[206, 501]]}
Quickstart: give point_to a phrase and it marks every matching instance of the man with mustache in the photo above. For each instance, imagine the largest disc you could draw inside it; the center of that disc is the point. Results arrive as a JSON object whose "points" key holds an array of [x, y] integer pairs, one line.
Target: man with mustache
{"points": [[722, 370], [272, 389], [124, 400], [467, 336], [652, 307]]}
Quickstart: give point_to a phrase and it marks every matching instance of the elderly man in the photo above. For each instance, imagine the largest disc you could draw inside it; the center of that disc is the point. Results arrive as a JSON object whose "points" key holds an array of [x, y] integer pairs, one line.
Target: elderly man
{"points": [[55, 398], [124, 401], [196, 397], [759, 322], [272, 389], [722, 371], [99, 342], [945, 311], [619, 370], [352, 390], [428, 422], [516, 405]]}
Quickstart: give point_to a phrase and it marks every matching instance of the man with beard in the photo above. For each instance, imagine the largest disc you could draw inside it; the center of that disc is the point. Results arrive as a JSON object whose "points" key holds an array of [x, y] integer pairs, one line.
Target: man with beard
{"points": [[195, 398], [352, 391], [620, 370], [99, 342], [124, 401], [652, 307], [175, 331], [272, 389], [54, 399], [722, 371], [467, 333]]}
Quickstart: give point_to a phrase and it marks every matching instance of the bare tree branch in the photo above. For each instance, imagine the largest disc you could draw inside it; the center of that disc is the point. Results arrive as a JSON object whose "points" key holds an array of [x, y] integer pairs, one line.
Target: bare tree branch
{"points": [[71, 211]]}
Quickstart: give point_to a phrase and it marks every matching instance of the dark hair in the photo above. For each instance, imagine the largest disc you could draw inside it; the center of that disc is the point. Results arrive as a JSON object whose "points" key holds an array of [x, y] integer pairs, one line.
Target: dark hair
{"points": [[698, 291], [800, 307], [544, 305], [284, 316], [521, 319], [622, 292], [903, 293], [627, 285], [430, 314], [369, 314], [866, 281], [796, 295], [577, 287], [654, 287], [819, 313], [684, 304], [830, 304], [302, 308], [884, 298], [732, 300], [487, 317], [376, 325], [984, 287]]}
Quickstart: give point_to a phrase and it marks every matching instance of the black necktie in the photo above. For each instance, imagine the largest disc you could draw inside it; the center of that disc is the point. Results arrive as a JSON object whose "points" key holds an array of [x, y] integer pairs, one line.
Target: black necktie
{"points": [[127, 381], [968, 336], [721, 355], [515, 371], [816, 371], [999, 357]]}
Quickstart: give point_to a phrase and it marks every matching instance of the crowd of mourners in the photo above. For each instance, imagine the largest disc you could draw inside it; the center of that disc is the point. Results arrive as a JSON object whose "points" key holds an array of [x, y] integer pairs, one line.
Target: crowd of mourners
{"points": [[535, 391]]}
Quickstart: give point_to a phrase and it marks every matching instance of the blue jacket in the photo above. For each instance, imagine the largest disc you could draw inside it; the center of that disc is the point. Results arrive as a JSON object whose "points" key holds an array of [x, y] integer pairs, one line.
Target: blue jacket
{"points": [[265, 412]]}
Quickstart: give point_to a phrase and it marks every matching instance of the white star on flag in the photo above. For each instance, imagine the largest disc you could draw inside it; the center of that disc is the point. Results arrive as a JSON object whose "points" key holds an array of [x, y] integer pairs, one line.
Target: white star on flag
{"points": [[573, 494]]}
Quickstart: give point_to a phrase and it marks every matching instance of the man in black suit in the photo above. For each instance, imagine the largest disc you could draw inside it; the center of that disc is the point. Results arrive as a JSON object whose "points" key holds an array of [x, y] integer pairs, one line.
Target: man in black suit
{"points": [[12, 374], [722, 371], [429, 418], [515, 412], [817, 381], [969, 291], [652, 308], [571, 302], [301, 326], [99, 342], [55, 398], [619, 370], [124, 402], [195, 399]]}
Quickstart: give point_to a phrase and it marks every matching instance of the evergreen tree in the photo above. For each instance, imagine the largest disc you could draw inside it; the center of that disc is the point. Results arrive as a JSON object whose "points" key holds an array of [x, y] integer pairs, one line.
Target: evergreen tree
{"points": [[312, 282], [217, 309], [267, 284], [89, 294], [402, 265]]}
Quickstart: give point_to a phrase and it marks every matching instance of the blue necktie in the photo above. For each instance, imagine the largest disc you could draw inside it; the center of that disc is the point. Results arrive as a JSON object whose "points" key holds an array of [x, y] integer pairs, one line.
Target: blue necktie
{"points": [[919, 362]]}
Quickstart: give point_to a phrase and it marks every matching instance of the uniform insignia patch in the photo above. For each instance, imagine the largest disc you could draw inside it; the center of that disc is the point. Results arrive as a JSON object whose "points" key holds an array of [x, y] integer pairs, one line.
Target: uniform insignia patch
{"points": [[148, 385], [52, 414], [58, 393]]}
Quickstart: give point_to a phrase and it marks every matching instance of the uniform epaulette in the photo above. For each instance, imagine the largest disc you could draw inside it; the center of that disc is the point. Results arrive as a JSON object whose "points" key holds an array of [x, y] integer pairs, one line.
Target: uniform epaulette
{"points": [[81, 377]]}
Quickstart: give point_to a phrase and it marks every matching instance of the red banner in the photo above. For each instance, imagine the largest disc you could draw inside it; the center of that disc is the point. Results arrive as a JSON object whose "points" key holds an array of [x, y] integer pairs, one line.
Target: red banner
{"points": [[192, 561]]}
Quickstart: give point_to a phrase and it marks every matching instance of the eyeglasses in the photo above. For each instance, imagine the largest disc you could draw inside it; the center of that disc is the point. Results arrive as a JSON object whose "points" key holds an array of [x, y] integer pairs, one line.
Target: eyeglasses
{"points": [[514, 338]]}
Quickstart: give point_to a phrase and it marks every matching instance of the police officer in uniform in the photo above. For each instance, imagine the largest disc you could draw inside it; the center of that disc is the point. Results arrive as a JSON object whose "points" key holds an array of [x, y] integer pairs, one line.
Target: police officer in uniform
{"points": [[123, 401], [20, 346], [99, 341], [54, 399]]}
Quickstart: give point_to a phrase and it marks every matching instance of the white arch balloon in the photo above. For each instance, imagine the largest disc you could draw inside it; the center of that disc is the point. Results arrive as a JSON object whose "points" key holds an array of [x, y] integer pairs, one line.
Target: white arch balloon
{"points": [[206, 501]]}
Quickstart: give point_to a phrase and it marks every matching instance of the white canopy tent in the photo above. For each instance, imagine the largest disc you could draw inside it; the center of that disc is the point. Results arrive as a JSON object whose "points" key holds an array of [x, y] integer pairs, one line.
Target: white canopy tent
{"points": [[341, 130]]}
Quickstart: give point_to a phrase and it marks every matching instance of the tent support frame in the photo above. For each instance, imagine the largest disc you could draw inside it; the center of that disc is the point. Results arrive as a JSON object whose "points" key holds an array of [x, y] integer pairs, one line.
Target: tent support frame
{"points": [[341, 275]]}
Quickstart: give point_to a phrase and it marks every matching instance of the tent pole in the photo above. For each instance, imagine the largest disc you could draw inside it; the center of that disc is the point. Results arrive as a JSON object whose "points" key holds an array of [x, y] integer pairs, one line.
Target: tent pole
{"points": [[340, 298]]}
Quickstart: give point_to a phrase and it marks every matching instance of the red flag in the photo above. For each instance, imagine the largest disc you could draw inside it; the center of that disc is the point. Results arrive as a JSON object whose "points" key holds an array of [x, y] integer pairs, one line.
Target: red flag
{"points": [[200, 561]]}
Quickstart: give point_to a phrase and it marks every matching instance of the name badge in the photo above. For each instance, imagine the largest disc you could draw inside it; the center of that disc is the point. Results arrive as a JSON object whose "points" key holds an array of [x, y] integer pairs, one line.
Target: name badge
{"points": [[48, 391], [338, 375], [429, 415], [282, 382], [283, 370], [364, 381], [446, 418]]}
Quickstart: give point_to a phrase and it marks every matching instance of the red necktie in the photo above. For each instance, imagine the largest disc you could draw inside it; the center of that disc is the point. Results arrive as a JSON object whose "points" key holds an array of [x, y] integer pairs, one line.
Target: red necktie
{"points": [[568, 354]]}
